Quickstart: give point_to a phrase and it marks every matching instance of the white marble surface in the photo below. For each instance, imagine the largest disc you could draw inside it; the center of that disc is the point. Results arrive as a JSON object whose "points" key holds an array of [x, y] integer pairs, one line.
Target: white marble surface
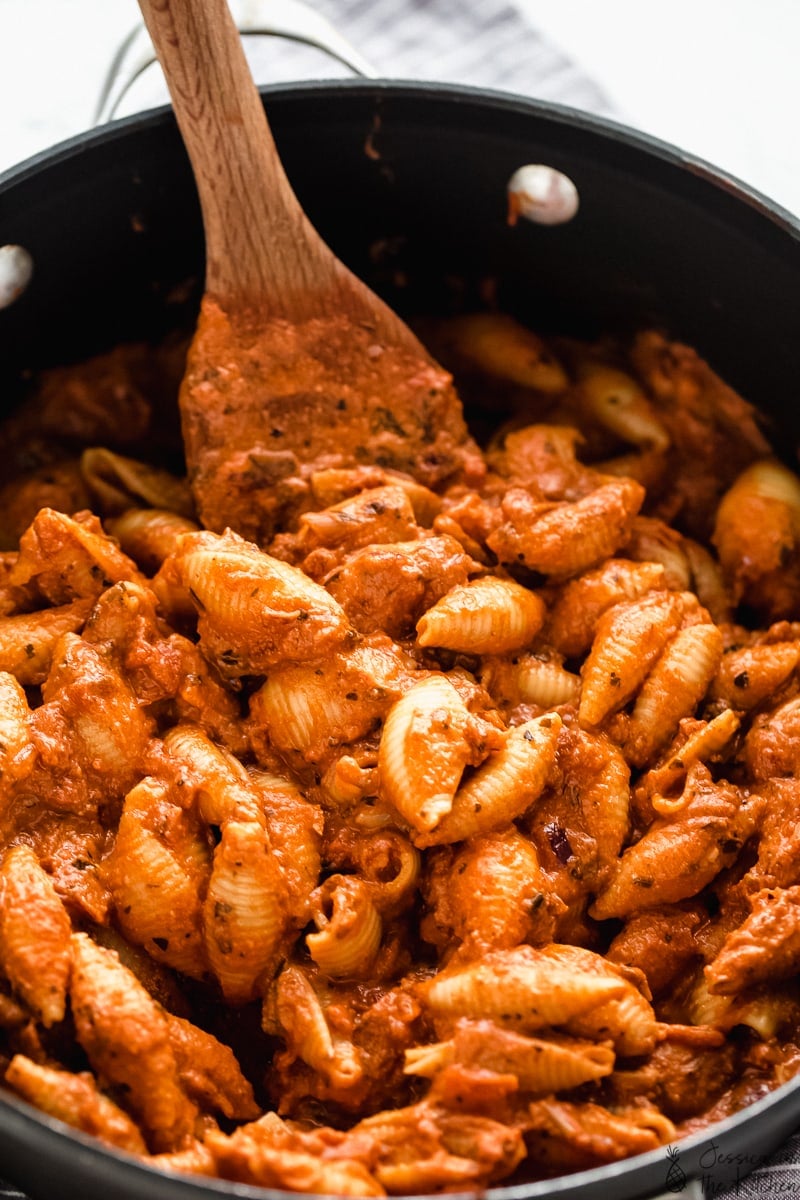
{"points": [[718, 77]]}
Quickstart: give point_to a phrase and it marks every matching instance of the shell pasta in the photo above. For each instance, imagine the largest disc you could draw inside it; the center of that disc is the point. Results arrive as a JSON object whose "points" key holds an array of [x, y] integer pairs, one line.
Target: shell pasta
{"points": [[447, 835]]}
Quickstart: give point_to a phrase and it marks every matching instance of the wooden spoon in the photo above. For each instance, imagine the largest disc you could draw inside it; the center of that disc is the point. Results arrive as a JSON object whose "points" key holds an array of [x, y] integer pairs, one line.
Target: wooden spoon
{"points": [[295, 365]]}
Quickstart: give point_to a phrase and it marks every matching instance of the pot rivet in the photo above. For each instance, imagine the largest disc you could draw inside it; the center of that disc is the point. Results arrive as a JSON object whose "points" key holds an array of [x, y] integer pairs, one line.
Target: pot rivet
{"points": [[541, 194], [16, 269]]}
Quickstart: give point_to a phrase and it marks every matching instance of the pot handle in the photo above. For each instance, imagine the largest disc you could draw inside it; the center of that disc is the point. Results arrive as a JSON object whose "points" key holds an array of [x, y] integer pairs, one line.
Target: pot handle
{"points": [[291, 19]]}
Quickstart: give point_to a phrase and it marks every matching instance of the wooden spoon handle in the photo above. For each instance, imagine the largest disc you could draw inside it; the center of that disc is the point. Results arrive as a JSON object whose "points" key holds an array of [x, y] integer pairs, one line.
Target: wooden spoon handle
{"points": [[262, 253]]}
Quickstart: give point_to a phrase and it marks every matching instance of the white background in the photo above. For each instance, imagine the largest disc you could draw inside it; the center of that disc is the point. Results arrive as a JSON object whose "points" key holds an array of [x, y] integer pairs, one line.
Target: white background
{"points": [[718, 77]]}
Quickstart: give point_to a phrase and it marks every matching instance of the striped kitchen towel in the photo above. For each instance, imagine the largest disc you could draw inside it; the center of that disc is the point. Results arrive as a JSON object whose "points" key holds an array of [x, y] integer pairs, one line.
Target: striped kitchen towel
{"points": [[486, 43]]}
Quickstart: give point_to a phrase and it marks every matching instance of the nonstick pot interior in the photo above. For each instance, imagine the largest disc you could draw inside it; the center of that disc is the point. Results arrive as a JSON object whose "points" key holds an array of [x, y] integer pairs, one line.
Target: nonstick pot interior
{"points": [[408, 182]]}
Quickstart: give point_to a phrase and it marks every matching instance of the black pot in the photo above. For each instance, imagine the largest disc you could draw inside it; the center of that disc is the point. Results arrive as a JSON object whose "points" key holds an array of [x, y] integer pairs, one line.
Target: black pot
{"points": [[408, 181]]}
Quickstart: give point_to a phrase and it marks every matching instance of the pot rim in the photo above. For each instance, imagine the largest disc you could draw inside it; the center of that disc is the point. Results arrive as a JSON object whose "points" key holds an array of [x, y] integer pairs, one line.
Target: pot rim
{"points": [[27, 1123]]}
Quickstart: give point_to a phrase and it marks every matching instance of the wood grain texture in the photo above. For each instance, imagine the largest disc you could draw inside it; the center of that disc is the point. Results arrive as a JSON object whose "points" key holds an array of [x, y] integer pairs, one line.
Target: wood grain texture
{"points": [[263, 255]]}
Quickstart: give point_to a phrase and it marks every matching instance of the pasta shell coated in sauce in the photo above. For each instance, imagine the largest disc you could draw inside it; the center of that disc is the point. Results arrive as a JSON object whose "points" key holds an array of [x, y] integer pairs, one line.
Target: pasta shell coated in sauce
{"points": [[487, 616], [245, 910], [521, 989], [428, 738], [629, 638], [254, 611], [502, 789], [349, 929]]}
